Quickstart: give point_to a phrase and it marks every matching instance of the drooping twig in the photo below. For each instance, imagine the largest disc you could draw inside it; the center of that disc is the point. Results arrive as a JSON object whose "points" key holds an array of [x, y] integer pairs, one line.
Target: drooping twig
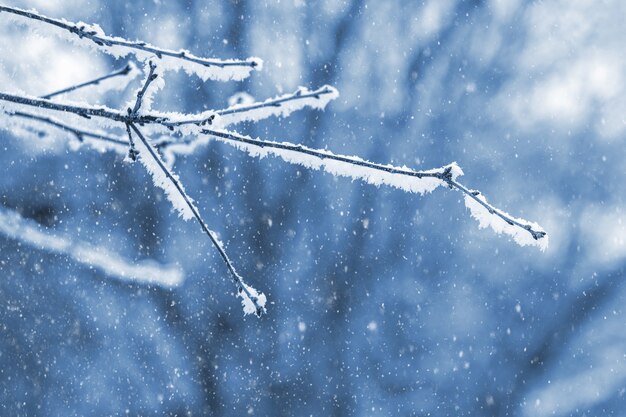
{"points": [[446, 174], [244, 290], [95, 81], [536, 233], [95, 34]]}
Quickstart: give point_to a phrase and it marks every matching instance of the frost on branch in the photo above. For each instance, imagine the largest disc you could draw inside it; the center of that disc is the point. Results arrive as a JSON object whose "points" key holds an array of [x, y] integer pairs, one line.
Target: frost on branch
{"points": [[92, 35], [404, 178], [145, 96], [281, 106], [150, 159], [14, 226], [522, 231]]}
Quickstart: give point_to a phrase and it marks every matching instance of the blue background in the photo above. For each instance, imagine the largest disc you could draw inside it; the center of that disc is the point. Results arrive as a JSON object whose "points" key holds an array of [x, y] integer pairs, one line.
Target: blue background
{"points": [[381, 302]]}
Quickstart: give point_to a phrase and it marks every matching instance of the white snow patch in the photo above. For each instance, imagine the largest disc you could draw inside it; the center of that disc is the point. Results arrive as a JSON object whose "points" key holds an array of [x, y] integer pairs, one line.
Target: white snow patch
{"points": [[248, 305], [240, 98], [112, 264]]}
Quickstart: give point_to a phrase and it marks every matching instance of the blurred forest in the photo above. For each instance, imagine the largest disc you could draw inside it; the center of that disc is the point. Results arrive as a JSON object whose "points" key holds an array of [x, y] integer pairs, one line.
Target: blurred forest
{"points": [[380, 302]]}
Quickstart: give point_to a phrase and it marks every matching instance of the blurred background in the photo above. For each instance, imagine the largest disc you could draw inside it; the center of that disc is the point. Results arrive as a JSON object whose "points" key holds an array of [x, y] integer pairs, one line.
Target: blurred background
{"points": [[381, 302]]}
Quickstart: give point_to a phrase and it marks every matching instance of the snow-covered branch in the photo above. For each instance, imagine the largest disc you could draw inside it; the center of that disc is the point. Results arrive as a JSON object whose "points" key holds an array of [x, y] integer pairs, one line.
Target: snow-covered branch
{"points": [[109, 141], [15, 227], [204, 68], [377, 174], [87, 111], [347, 166]]}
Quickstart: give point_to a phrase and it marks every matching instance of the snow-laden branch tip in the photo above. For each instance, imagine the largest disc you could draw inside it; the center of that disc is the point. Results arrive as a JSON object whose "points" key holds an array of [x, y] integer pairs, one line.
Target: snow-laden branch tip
{"points": [[148, 271], [522, 231], [93, 36]]}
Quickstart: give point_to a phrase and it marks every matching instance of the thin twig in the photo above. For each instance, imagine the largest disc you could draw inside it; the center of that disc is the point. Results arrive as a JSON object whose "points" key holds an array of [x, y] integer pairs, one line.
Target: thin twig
{"points": [[132, 151], [241, 286], [88, 111], [79, 133], [104, 40], [95, 81], [82, 110], [142, 91], [277, 102]]}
